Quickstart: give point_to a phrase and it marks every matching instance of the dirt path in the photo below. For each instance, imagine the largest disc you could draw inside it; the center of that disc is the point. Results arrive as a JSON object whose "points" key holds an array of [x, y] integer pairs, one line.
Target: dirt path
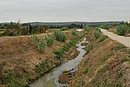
{"points": [[121, 39]]}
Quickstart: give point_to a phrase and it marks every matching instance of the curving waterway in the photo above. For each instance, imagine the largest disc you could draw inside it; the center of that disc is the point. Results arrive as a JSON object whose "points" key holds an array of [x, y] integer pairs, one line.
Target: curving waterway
{"points": [[55, 73]]}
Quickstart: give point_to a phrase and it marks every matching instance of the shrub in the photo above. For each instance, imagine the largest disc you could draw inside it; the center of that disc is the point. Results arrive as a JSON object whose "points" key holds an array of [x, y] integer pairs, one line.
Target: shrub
{"points": [[87, 29], [72, 42], [85, 70], [49, 41], [59, 36], [105, 26], [41, 29], [65, 48], [122, 29], [74, 32], [58, 53], [64, 28], [97, 33], [41, 46], [35, 40], [103, 38]]}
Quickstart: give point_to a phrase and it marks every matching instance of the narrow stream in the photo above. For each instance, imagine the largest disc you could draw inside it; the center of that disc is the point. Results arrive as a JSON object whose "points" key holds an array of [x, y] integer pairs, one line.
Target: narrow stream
{"points": [[55, 73]]}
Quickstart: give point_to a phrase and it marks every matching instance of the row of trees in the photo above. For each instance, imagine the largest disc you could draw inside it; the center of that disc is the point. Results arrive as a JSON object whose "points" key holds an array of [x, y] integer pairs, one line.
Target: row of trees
{"points": [[16, 29]]}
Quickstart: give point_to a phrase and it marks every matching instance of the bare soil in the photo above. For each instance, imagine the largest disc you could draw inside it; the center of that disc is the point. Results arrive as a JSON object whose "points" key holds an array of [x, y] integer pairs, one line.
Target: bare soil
{"points": [[64, 77]]}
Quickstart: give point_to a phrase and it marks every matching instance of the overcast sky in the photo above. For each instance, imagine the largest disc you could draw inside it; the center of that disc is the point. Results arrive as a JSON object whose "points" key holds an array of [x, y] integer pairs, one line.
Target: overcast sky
{"points": [[64, 10]]}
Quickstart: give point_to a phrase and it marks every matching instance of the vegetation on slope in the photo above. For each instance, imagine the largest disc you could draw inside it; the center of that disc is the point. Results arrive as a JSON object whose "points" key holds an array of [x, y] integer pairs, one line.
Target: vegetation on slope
{"points": [[122, 29], [21, 63], [106, 64]]}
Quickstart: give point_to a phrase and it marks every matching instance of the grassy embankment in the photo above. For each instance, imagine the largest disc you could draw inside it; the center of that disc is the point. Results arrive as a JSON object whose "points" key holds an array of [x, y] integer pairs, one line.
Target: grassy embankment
{"points": [[21, 62], [106, 64]]}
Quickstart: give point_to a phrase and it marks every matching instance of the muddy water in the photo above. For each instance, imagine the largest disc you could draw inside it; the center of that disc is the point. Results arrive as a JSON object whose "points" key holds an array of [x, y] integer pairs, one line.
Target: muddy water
{"points": [[55, 73]]}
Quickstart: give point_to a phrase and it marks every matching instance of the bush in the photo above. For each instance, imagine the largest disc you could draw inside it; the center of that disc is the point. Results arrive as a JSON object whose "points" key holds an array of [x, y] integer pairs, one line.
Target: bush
{"points": [[41, 46], [65, 48], [97, 33], [122, 29], [41, 29], [87, 28], [72, 42], [64, 28], [74, 32], [49, 41], [105, 26], [58, 53], [35, 40], [59, 36]]}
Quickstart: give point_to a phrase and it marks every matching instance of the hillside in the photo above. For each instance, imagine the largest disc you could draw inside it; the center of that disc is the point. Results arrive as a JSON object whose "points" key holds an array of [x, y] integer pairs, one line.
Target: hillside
{"points": [[107, 64], [21, 63], [18, 58]]}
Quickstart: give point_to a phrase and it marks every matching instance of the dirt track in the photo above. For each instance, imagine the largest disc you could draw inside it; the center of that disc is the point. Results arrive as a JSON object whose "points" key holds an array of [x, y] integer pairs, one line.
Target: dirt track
{"points": [[121, 39]]}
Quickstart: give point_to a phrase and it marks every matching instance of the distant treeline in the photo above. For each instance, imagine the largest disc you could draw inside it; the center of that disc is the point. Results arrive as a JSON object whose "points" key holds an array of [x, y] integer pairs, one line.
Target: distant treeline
{"points": [[63, 24], [17, 28], [73, 24]]}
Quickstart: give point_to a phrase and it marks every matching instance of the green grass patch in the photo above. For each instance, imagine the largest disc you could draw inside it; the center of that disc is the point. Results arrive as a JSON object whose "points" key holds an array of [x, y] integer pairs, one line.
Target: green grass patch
{"points": [[89, 49], [103, 38], [124, 59], [121, 46], [119, 74], [65, 71], [50, 83], [85, 71], [129, 51]]}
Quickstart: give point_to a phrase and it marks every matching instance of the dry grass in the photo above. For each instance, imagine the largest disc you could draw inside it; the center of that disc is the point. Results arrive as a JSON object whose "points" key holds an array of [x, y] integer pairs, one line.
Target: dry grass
{"points": [[18, 54], [105, 64]]}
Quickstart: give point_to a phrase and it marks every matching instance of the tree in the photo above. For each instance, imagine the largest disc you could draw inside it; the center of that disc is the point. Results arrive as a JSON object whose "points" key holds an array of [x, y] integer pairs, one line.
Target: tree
{"points": [[73, 25], [41, 29], [13, 29], [30, 29]]}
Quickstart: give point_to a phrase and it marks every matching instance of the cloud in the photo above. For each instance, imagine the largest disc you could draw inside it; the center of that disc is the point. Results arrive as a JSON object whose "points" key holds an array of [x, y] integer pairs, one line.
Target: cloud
{"points": [[64, 10]]}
